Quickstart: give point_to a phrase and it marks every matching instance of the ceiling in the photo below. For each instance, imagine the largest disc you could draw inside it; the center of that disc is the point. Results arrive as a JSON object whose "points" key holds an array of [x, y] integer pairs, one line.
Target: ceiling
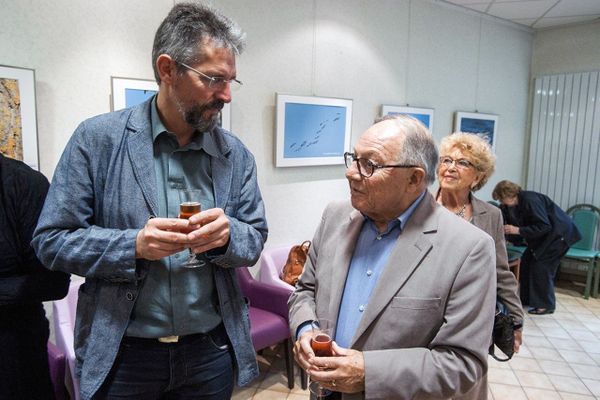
{"points": [[536, 14]]}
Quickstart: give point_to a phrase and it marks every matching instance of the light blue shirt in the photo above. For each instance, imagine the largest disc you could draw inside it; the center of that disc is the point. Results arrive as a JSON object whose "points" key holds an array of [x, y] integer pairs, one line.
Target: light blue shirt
{"points": [[175, 300], [368, 261]]}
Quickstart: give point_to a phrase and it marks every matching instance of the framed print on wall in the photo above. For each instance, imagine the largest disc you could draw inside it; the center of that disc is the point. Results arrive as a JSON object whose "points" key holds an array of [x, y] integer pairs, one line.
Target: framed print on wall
{"points": [[485, 125], [425, 115], [18, 125], [312, 130], [128, 92]]}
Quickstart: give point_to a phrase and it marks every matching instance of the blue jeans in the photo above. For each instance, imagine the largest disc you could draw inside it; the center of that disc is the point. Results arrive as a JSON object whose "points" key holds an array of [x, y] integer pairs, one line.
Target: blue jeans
{"points": [[199, 366]]}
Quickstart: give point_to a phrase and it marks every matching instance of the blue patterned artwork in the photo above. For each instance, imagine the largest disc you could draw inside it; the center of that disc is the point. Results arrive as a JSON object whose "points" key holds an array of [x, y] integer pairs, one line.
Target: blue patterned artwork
{"points": [[312, 130], [485, 125]]}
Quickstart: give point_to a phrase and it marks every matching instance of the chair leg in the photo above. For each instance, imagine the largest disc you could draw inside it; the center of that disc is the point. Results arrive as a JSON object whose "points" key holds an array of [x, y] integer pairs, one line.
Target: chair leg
{"points": [[303, 379], [596, 278], [588, 280], [289, 362]]}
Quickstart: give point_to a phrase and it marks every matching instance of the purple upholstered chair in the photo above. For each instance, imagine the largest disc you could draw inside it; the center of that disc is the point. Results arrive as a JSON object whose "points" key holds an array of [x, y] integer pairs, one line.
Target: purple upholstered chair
{"points": [[64, 326], [56, 362], [268, 317]]}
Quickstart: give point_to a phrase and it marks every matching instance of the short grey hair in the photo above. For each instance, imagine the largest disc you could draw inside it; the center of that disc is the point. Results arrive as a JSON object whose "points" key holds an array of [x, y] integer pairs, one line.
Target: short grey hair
{"points": [[418, 146], [188, 28]]}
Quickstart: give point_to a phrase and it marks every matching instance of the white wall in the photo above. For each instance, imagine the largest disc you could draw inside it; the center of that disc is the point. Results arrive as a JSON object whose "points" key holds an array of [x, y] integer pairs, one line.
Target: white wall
{"points": [[423, 52], [568, 49]]}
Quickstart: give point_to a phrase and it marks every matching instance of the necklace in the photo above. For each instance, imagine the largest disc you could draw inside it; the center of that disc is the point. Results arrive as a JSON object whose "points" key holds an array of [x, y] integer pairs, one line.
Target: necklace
{"points": [[461, 212]]}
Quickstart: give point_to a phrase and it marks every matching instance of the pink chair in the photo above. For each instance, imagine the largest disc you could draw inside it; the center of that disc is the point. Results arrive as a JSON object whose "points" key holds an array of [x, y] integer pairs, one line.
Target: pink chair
{"points": [[271, 264], [64, 326]]}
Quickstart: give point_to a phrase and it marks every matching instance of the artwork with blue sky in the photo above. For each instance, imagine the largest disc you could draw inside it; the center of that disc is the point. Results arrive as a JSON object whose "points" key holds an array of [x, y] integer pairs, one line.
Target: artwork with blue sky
{"points": [[136, 96], [314, 130]]}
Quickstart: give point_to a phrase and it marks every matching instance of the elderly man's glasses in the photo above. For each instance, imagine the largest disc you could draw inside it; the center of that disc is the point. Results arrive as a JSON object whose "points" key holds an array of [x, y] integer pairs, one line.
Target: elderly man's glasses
{"points": [[214, 82], [366, 168], [460, 163]]}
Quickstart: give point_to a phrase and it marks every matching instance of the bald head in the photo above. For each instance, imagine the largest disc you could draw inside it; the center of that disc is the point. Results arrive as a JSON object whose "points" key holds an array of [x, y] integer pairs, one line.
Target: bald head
{"points": [[412, 140]]}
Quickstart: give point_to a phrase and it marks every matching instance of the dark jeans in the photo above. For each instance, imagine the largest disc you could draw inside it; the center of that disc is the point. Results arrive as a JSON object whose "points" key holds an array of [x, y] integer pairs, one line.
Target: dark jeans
{"points": [[199, 366], [538, 276], [24, 371]]}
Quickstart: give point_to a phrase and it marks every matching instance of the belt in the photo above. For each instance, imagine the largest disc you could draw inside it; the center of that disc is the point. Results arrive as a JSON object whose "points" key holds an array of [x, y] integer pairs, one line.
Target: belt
{"points": [[173, 338]]}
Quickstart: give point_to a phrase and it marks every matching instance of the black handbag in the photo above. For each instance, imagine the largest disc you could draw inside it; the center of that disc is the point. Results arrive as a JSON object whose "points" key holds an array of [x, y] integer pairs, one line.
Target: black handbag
{"points": [[503, 335]]}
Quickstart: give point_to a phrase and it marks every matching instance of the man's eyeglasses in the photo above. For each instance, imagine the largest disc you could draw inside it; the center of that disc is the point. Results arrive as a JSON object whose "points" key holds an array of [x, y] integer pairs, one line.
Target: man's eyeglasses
{"points": [[214, 82], [460, 163], [366, 168]]}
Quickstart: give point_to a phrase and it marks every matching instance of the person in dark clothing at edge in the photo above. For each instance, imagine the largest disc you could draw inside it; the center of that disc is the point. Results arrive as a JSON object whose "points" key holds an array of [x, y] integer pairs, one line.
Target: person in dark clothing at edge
{"points": [[548, 232], [24, 285]]}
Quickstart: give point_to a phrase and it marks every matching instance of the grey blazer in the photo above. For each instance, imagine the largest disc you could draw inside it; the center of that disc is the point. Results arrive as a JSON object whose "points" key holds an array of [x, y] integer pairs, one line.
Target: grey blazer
{"points": [[426, 330], [489, 219], [103, 192]]}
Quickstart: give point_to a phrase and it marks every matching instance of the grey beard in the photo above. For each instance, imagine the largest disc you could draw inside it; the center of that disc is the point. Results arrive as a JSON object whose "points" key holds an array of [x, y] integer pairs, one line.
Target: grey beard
{"points": [[194, 118], [193, 115]]}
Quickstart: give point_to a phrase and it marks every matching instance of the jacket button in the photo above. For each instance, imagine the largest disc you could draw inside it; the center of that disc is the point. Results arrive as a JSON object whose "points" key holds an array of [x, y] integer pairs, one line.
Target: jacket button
{"points": [[129, 296]]}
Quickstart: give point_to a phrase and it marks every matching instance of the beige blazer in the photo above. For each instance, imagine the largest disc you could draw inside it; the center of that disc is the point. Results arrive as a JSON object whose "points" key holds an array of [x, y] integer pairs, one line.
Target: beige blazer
{"points": [[426, 329], [489, 218]]}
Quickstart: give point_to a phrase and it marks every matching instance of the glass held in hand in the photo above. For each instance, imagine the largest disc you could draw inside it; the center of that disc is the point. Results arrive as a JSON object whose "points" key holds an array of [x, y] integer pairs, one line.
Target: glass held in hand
{"points": [[189, 204], [321, 343]]}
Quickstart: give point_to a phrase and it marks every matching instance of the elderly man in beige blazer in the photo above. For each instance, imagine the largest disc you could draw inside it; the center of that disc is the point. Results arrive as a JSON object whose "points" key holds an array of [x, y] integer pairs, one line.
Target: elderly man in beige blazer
{"points": [[409, 286]]}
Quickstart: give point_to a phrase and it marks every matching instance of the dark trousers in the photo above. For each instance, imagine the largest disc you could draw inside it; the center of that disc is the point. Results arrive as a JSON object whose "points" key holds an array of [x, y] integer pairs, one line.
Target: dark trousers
{"points": [[199, 366], [24, 371], [538, 276]]}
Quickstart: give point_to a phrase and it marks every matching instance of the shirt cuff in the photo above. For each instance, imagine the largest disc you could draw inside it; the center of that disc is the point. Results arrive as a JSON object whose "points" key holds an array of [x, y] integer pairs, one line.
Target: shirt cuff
{"points": [[304, 327]]}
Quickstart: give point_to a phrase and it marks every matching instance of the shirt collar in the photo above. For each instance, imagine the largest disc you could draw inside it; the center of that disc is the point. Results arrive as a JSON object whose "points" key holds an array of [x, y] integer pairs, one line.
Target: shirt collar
{"points": [[202, 140]]}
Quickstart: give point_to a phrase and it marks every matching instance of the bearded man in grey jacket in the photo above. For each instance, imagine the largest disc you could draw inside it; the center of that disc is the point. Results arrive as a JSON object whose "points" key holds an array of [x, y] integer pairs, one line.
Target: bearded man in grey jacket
{"points": [[147, 325]]}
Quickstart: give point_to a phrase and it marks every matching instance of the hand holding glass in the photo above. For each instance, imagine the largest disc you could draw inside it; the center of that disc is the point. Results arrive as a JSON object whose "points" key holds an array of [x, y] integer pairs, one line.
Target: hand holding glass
{"points": [[189, 204], [321, 344]]}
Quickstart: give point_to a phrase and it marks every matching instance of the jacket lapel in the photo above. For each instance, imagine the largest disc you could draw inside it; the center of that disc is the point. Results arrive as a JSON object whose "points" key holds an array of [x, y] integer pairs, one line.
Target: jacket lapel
{"points": [[141, 153], [412, 246], [342, 258]]}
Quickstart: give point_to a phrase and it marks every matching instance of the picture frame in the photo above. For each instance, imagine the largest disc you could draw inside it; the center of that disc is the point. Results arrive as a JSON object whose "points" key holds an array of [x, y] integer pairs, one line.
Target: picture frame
{"points": [[425, 115], [312, 130], [482, 124], [18, 121], [128, 92]]}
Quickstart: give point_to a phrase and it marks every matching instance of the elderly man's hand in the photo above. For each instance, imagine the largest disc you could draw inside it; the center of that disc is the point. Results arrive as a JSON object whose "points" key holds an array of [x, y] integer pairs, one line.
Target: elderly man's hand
{"points": [[344, 372], [303, 353]]}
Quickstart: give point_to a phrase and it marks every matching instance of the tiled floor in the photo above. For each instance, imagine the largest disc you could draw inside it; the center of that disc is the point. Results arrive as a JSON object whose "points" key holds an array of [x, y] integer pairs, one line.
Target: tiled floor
{"points": [[559, 360]]}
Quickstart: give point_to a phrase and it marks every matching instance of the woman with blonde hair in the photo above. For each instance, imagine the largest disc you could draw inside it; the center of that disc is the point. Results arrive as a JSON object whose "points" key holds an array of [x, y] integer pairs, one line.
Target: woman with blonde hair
{"points": [[466, 163]]}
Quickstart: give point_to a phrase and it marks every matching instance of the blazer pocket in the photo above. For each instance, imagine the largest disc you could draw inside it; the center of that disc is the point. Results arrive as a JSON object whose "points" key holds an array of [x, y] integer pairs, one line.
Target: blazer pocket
{"points": [[416, 303]]}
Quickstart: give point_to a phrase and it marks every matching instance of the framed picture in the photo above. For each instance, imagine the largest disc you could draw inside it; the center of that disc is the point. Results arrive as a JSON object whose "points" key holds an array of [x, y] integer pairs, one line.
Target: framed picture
{"points": [[127, 92], [18, 124], [312, 130], [482, 124], [425, 115]]}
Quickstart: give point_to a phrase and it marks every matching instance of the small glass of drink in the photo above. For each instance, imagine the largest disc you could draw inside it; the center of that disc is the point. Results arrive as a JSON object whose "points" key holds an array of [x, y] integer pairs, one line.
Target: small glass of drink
{"points": [[321, 345], [189, 204]]}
